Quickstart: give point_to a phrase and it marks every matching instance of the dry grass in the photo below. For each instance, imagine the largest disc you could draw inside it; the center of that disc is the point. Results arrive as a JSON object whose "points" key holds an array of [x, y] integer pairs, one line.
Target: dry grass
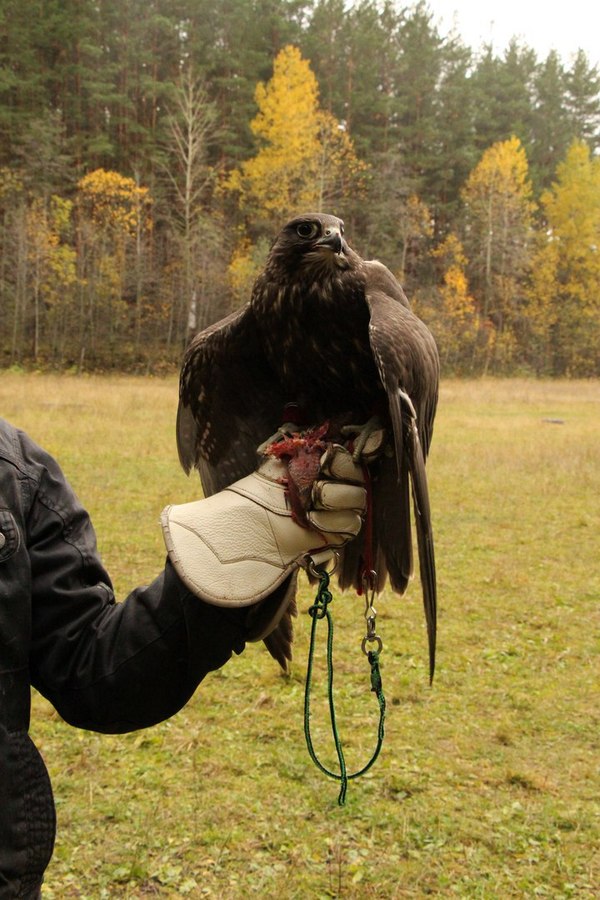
{"points": [[488, 782]]}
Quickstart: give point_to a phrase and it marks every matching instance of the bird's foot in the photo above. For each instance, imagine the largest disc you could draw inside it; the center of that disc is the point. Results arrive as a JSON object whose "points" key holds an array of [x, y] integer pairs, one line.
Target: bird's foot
{"points": [[283, 432], [367, 439]]}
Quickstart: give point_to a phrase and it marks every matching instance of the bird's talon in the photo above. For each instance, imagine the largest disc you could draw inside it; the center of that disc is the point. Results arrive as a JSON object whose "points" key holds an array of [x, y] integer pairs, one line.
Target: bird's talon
{"points": [[362, 434], [283, 432]]}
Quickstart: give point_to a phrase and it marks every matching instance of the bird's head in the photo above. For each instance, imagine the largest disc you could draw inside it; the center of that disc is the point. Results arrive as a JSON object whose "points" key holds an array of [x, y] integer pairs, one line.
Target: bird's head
{"points": [[312, 239]]}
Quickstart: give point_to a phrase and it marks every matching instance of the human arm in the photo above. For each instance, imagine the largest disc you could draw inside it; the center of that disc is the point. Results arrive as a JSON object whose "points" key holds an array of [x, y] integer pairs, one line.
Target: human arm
{"points": [[108, 666], [115, 667]]}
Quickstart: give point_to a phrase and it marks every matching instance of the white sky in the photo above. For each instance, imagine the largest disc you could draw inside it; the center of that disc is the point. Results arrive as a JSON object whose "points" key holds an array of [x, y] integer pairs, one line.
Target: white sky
{"points": [[552, 25]]}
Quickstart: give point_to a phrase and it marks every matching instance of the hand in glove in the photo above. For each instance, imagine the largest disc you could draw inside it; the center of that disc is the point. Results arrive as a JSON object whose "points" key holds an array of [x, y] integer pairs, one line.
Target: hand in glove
{"points": [[240, 546]]}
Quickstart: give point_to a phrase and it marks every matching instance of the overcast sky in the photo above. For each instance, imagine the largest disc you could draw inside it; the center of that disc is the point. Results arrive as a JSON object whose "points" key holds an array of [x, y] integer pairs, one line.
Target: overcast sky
{"points": [[564, 27]]}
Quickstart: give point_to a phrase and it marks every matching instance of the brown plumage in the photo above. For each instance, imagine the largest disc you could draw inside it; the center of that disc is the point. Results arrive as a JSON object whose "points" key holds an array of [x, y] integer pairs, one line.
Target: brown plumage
{"points": [[334, 334]]}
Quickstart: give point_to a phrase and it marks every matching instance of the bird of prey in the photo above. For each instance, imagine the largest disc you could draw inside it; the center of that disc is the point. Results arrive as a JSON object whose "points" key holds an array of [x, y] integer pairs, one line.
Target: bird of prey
{"points": [[334, 335]]}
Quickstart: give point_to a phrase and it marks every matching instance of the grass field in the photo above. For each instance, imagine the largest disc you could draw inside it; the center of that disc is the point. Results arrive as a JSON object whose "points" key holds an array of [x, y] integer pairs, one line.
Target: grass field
{"points": [[488, 783]]}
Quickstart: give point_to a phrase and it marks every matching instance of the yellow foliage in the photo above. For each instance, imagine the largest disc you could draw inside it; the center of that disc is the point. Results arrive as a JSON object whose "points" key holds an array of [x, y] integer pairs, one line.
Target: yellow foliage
{"points": [[418, 217], [53, 262], [304, 153], [541, 307], [10, 183], [502, 173], [61, 211], [338, 170], [414, 222], [459, 305], [451, 252], [572, 209], [115, 202], [242, 271], [499, 219], [499, 208], [460, 322], [287, 120], [563, 294]]}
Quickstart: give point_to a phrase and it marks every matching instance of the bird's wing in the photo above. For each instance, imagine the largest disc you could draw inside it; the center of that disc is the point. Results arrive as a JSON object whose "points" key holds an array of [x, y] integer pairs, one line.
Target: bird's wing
{"points": [[379, 278], [229, 402], [407, 361]]}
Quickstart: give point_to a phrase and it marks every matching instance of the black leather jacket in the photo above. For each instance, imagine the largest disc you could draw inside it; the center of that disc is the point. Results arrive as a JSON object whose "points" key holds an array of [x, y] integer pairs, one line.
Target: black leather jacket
{"points": [[104, 666]]}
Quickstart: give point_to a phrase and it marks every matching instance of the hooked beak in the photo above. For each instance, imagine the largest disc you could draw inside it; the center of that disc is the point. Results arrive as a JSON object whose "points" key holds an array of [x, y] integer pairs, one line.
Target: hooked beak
{"points": [[333, 240]]}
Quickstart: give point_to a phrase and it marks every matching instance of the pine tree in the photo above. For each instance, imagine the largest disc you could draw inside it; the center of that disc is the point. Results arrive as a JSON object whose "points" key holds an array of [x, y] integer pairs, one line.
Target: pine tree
{"points": [[327, 44], [353, 53], [417, 76], [31, 66], [583, 100], [503, 94], [550, 126], [454, 151], [232, 45]]}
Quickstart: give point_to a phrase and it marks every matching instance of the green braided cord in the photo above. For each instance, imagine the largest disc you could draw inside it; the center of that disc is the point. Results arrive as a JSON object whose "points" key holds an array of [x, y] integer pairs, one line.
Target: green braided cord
{"points": [[320, 611]]}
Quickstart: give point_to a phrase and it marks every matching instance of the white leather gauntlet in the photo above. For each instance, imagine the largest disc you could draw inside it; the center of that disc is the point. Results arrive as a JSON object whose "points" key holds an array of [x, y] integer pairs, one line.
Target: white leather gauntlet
{"points": [[235, 548]]}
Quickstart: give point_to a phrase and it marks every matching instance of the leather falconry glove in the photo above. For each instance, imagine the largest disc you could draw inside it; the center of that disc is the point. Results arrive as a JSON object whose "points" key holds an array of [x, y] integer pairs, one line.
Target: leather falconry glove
{"points": [[235, 548], [243, 546]]}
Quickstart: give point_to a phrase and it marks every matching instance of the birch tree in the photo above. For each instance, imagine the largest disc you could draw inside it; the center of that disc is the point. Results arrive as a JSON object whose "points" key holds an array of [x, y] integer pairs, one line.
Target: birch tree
{"points": [[498, 233], [190, 131], [568, 265]]}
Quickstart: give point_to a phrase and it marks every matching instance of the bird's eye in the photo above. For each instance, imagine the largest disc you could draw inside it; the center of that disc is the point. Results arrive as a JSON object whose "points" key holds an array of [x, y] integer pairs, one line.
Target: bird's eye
{"points": [[307, 229]]}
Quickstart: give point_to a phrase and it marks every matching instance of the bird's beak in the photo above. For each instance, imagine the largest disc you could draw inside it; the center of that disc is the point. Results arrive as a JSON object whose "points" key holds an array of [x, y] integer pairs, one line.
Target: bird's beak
{"points": [[333, 240]]}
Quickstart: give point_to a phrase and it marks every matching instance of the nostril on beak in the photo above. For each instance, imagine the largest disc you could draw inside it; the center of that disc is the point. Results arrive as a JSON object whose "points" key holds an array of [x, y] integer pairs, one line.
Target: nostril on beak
{"points": [[332, 239]]}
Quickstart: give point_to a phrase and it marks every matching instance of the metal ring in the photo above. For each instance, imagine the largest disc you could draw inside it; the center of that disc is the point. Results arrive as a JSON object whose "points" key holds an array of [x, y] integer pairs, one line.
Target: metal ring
{"points": [[369, 580], [316, 573], [371, 640]]}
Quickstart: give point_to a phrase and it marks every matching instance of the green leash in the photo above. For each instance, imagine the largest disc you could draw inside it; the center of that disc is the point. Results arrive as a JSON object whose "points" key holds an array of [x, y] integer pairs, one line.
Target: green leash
{"points": [[320, 610]]}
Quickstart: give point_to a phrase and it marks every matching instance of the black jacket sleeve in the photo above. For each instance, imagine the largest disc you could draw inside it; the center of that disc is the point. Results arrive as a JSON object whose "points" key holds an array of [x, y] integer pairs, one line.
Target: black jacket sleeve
{"points": [[108, 666]]}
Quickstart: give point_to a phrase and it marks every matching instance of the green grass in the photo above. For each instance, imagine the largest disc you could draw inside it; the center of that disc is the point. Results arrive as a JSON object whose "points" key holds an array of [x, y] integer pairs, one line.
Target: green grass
{"points": [[487, 786]]}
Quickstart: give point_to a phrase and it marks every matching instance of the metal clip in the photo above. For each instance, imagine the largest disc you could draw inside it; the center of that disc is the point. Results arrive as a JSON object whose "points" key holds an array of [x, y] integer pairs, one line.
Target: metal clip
{"points": [[369, 582]]}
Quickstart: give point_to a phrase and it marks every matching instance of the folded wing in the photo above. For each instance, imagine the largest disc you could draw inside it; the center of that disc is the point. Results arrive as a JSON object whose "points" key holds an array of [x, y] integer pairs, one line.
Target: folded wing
{"points": [[408, 365]]}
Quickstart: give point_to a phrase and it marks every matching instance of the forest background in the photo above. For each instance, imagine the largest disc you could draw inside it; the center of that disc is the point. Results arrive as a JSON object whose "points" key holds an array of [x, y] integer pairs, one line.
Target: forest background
{"points": [[149, 151]]}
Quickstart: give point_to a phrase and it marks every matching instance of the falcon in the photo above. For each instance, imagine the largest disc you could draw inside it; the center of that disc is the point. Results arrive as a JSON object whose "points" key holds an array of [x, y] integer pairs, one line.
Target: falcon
{"points": [[330, 335]]}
